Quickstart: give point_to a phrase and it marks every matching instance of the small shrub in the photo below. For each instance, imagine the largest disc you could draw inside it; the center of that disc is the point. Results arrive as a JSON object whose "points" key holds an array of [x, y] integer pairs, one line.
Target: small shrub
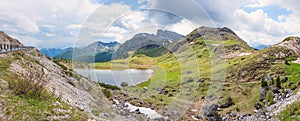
{"points": [[107, 86], [287, 62], [61, 65], [32, 85], [278, 82], [263, 82], [96, 112], [107, 93], [270, 98]]}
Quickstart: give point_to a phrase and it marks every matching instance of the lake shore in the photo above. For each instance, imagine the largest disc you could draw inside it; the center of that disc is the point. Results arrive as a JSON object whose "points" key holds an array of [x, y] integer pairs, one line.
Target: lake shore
{"points": [[116, 77]]}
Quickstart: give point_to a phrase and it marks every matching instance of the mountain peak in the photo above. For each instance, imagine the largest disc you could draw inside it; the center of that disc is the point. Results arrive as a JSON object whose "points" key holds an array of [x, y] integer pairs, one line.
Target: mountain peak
{"points": [[225, 29], [163, 38], [291, 39], [168, 35], [209, 33], [102, 46], [234, 45]]}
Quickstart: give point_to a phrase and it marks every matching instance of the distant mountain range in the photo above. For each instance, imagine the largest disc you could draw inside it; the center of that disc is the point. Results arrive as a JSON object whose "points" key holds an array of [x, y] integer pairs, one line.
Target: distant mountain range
{"points": [[52, 52], [142, 43], [260, 47]]}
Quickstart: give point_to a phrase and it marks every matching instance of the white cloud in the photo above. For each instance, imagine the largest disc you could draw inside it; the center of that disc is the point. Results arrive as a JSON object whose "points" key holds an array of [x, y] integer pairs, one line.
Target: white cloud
{"points": [[22, 23], [183, 27], [142, 1], [62, 20], [39, 17], [253, 27], [49, 35], [259, 28], [74, 26], [133, 20], [98, 24]]}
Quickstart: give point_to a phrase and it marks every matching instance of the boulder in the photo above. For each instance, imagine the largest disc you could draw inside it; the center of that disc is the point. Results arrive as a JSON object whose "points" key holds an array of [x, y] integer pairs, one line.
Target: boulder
{"points": [[161, 119], [124, 84], [3, 85], [227, 104], [211, 110], [145, 88], [263, 93], [190, 80], [288, 91], [269, 80], [258, 106], [233, 115], [290, 84], [199, 117], [189, 72], [284, 79]]}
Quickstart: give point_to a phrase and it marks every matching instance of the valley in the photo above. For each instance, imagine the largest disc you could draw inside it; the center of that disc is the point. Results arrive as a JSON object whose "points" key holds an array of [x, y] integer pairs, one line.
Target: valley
{"points": [[149, 60], [241, 84], [209, 74]]}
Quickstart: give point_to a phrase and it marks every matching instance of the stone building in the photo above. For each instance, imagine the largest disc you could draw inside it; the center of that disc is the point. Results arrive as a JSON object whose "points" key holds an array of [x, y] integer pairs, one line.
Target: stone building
{"points": [[8, 43]]}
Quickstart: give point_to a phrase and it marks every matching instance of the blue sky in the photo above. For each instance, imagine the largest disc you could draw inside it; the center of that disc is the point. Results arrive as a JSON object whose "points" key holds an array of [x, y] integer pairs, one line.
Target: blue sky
{"points": [[65, 23], [273, 11]]}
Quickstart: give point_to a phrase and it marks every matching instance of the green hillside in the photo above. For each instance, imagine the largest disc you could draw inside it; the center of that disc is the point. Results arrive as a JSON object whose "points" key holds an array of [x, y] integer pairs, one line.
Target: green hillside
{"points": [[227, 67]]}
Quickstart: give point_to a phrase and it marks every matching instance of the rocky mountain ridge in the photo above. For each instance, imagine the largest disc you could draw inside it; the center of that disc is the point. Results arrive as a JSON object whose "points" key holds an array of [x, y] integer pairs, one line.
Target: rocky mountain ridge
{"points": [[163, 39], [91, 53], [52, 52]]}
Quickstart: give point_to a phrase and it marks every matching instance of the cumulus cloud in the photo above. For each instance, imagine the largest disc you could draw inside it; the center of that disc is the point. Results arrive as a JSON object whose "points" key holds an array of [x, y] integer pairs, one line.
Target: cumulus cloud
{"points": [[258, 27], [34, 20], [253, 26], [183, 27], [99, 22], [56, 24], [74, 26], [125, 26], [49, 35]]}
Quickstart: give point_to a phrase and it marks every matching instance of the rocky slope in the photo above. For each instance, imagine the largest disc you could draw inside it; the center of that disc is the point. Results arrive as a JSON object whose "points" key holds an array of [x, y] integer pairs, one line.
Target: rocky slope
{"points": [[292, 43], [66, 85], [5, 39]]}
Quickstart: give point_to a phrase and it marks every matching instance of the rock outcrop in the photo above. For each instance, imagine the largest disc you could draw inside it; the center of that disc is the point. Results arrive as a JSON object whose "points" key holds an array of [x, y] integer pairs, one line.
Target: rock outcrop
{"points": [[292, 43]]}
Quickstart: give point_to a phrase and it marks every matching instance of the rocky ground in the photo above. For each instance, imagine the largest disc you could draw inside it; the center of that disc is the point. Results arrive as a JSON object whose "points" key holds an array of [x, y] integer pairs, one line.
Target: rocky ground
{"points": [[75, 91]]}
